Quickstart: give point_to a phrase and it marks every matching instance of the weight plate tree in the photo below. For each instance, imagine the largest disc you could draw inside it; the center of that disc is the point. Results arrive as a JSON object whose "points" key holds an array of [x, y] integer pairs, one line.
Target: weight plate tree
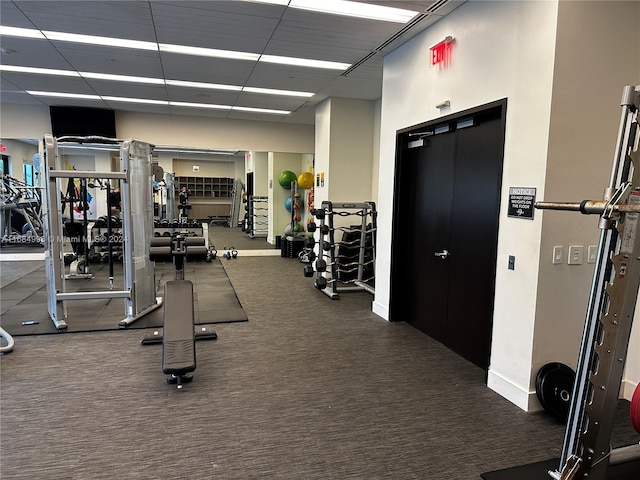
{"points": [[586, 451]]}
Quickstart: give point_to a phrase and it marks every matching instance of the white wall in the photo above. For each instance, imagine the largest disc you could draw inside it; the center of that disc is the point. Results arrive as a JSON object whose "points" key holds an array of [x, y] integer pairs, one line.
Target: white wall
{"points": [[20, 121], [501, 50], [205, 132], [592, 64], [508, 50], [261, 174], [24, 121], [19, 153]]}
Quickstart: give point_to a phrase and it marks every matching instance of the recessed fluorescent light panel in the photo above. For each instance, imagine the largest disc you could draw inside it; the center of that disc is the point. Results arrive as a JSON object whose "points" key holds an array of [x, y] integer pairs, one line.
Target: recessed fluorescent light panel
{"points": [[105, 41], [212, 86], [271, 91], [122, 78], [37, 93], [21, 32], [208, 52], [272, 2], [261, 110], [200, 105], [38, 71], [304, 62], [147, 101], [350, 9]]}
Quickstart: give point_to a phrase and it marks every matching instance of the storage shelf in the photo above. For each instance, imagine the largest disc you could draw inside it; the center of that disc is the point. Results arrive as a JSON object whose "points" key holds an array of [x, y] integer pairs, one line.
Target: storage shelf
{"points": [[205, 187]]}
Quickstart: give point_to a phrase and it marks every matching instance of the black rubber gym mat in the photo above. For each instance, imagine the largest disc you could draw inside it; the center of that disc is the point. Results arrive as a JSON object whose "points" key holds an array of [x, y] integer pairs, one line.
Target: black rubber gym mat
{"points": [[23, 302], [538, 471]]}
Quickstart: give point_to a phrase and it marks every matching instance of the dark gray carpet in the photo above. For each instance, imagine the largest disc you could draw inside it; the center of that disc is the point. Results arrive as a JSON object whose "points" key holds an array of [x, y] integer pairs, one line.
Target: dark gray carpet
{"points": [[227, 237], [25, 299], [310, 388]]}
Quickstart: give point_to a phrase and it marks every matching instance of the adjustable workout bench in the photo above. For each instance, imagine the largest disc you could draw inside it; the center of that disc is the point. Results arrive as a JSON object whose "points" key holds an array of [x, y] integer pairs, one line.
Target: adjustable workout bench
{"points": [[178, 337]]}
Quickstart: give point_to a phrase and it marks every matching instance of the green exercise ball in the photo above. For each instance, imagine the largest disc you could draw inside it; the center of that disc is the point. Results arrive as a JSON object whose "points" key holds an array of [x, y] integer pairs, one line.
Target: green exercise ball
{"points": [[286, 177]]}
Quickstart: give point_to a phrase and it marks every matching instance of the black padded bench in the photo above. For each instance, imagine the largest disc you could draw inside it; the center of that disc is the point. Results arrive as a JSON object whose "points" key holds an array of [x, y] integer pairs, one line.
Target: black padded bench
{"points": [[179, 343]]}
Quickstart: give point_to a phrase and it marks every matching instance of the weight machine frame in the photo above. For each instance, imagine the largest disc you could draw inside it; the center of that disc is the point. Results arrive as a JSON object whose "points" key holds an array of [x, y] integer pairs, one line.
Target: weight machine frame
{"points": [[586, 451], [26, 200], [137, 229], [364, 210]]}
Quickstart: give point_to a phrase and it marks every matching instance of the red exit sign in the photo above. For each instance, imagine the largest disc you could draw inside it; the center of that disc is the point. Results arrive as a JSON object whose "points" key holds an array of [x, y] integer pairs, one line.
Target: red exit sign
{"points": [[441, 52], [3, 147]]}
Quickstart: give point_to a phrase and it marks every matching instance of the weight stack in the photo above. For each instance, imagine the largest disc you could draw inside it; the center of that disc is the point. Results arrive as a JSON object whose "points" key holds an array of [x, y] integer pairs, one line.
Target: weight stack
{"points": [[290, 247]]}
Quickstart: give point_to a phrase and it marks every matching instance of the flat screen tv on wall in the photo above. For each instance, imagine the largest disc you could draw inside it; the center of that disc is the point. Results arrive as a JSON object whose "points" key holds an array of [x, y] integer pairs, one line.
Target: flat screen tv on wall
{"points": [[82, 121]]}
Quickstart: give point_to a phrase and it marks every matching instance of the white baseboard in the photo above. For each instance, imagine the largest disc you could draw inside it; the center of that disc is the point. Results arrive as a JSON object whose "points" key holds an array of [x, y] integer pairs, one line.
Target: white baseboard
{"points": [[380, 310], [627, 388], [523, 399]]}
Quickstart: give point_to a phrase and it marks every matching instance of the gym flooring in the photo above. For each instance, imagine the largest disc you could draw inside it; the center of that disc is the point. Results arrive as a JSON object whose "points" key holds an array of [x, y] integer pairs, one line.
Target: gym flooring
{"points": [[308, 388]]}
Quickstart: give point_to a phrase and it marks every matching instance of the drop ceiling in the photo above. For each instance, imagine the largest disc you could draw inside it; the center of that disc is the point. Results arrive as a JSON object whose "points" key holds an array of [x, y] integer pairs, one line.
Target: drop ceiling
{"points": [[230, 25]]}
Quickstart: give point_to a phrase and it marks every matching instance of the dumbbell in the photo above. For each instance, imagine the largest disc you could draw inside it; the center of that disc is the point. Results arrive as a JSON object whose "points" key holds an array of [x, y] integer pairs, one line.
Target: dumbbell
{"points": [[320, 266], [321, 283], [312, 227], [233, 253], [212, 253], [318, 212]]}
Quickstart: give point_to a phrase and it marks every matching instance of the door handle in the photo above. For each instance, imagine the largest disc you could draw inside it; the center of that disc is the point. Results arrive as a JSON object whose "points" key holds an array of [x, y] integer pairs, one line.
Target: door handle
{"points": [[443, 254]]}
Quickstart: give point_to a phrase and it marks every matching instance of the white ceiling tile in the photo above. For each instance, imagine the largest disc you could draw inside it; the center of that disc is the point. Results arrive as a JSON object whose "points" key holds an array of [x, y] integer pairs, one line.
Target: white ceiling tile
{"points": [[222, 24], [119, 61], [30, 52], [276, 102], [129, 90], [136, 107], [205, 69], [49, 83], [11, 16], [285, 77], [125, 19], [198, 95], [19, 97], [219, 25]]}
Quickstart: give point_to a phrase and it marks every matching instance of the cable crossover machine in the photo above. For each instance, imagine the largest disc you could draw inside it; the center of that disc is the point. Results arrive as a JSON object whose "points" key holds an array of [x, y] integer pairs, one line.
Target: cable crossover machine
{"points": [[137, 229], [586, 451]]}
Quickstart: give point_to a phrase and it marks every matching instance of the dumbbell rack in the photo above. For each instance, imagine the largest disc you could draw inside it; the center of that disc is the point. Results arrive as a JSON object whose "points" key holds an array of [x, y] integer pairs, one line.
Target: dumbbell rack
{"points": [[258, 216], [100, 239], [327, 247]]}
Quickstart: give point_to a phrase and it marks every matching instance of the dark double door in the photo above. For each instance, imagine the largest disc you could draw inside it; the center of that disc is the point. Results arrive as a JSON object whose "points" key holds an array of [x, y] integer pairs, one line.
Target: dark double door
{"points": [[445, 235]]}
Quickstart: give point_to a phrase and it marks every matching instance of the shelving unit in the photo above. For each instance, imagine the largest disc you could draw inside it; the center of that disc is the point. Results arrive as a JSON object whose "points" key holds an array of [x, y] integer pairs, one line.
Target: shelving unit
{"points": [[205, 187], [258, 216]]}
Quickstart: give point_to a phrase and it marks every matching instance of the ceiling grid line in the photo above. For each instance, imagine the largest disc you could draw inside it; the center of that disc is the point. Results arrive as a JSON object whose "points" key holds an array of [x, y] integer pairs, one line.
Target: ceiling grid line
{"points": [[242, 26]]}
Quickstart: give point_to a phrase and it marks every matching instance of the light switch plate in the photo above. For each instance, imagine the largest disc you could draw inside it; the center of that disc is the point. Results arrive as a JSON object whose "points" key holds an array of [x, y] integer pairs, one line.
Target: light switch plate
{"points": [[576, 254], [591, 253], [558, 255]]}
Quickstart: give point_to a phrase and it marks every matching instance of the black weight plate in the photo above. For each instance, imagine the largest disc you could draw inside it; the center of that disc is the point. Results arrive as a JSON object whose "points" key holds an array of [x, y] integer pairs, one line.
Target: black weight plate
{"points": [[554, 386]]}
